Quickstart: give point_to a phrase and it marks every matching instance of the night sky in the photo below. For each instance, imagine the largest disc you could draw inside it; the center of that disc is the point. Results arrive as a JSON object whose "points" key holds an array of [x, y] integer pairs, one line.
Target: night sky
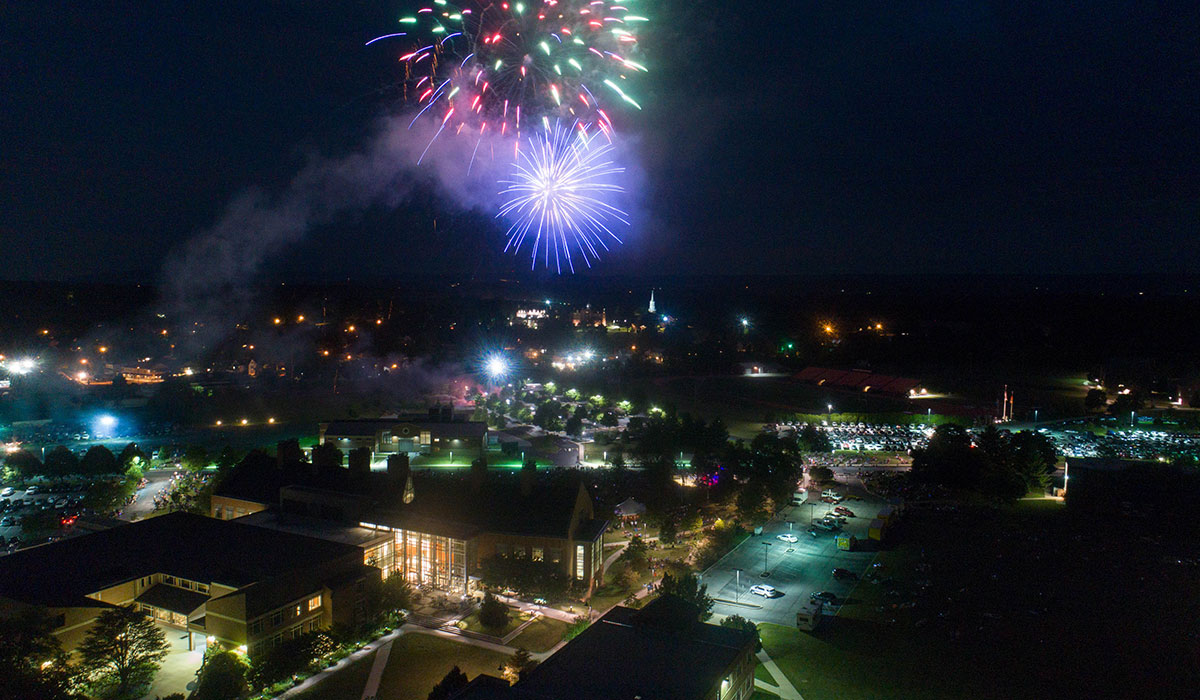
{"points": [[786, 137]]}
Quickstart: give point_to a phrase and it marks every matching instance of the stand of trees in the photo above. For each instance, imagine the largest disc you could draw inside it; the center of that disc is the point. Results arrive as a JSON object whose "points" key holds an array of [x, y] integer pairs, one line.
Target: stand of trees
{"points": [[998, 464], [526, 576]]}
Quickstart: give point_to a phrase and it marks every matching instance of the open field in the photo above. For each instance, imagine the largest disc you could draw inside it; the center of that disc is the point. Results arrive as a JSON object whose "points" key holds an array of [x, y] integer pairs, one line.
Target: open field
{"points": [[541, 635], [418, 661]]}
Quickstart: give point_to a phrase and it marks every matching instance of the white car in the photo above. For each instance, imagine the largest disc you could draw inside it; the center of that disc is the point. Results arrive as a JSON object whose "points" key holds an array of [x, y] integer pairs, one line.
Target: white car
{"points": [[787, 537], [8, 491], [31, 490], [763, 590]]}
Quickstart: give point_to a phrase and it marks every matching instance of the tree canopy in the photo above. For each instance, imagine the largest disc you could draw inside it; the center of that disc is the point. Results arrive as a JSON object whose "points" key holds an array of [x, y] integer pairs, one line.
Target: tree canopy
{"points": [[122, 651]]}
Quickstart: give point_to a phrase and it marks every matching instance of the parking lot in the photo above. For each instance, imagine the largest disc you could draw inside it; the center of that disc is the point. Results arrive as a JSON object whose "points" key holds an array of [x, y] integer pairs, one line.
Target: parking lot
{"points": [[796, 570]]}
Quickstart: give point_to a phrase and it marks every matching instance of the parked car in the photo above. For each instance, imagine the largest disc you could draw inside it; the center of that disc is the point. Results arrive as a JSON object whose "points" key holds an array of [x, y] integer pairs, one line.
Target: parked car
{"points": [[823, 597], [763, 590], [844, 574], [8, 491], [31, 490], [787, 537], [843, 510], [7, 521]]}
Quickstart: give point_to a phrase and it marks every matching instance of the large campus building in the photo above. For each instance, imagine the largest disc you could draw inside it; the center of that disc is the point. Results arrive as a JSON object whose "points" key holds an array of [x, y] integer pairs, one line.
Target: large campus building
{"points": [[661, 651], [438, 432], [242, 586], [435, 530]]}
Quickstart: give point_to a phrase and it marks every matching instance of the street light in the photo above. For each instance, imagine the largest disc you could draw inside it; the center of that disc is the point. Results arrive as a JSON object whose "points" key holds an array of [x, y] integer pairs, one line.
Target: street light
{"points": [[737, 587], [766, 548]]}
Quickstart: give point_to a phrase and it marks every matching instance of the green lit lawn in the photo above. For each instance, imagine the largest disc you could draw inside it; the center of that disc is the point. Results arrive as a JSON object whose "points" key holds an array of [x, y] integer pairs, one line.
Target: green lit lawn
{"points": [[347, 682], [418, 661], [541, 635], [473, 624]]}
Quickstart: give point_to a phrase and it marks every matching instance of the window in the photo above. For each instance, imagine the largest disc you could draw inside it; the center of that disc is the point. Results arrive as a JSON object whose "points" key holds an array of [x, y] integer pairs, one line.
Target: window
{"points": [[425, 438], [276, 618], [169, 580], [555, 554], [256, 627], [314, 602], [579, 561], [297, 612], [186, 584], [538, 554], [202, 588]]}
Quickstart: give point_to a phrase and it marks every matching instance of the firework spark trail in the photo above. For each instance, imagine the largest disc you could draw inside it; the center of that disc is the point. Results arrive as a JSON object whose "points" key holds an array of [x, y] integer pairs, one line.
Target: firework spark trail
{"points": [[556, 196], [541, 55]]}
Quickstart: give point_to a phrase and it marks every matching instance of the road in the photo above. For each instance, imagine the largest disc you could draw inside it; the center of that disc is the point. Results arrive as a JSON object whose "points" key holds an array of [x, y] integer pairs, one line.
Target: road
{"points": [[795, 570], [143, 503]]}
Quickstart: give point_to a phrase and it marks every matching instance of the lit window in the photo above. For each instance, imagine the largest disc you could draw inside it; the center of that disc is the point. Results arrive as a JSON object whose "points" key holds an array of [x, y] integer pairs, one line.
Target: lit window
{"points": [[297, 611], [579, 561], [537, 554], [314, 603]]}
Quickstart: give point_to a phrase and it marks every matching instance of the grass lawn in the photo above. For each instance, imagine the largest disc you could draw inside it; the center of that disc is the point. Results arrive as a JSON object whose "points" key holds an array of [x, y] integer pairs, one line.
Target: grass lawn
{"points": [[418, 661], [473, 624], [541, 635], [347, 682]]}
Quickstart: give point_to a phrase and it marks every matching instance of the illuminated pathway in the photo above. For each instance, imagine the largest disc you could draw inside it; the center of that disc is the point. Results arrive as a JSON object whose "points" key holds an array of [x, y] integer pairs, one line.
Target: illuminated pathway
{"points": [[380, 663]]}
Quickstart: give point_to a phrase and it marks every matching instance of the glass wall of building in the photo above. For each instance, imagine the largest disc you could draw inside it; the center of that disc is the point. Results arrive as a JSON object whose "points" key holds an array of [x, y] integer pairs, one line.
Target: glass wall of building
{"points": [[422, 558]]}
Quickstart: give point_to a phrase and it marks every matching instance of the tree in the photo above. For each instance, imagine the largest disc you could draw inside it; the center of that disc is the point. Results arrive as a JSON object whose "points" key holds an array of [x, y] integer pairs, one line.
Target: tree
{"points": [[738, 622], [132, 455], [572, 394], [454, 681], [609, 419], [32, 665], [23, 465], [61, 463], [668, 533], [574, 426], [222, 677], [395, 594], [1095, 401], [326, 456], [122, 651], [821, 474], [286, 659], [813, 440], [97, 461], [577, 626], [492, 613], [108, 496], [518, 666], [195, 458], [688, 588]]}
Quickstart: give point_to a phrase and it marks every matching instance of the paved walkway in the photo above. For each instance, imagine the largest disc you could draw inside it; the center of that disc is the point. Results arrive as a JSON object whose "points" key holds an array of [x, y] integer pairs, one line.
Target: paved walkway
{"points": [[380, 663], [785, 689]]}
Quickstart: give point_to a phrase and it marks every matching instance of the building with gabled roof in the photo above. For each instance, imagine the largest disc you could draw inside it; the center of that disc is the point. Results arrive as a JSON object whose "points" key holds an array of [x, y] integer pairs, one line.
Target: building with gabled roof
{"points": [[242, 586]]}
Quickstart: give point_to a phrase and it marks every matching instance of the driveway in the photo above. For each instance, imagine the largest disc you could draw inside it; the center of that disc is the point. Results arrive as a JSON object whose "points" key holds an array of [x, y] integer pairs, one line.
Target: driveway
{"points": [[178, 671]]}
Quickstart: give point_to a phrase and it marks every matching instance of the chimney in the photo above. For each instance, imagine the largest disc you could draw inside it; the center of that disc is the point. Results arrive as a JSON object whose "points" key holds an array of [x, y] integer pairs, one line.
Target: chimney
{"points": [[360, 461], [478, 474], [397, 468], [528, 476]]}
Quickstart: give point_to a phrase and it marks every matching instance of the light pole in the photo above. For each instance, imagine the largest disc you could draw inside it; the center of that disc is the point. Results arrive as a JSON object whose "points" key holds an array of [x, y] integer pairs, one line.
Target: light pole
{"points": [[766, 548], [789, 525], [737, 587]]}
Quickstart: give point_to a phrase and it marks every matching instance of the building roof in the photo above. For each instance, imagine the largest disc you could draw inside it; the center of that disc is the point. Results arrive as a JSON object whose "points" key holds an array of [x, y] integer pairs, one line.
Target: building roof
{"points": [[371, 428], [660, 652], [172, 598], [444, 504], [180, 544], [313, 527]]}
